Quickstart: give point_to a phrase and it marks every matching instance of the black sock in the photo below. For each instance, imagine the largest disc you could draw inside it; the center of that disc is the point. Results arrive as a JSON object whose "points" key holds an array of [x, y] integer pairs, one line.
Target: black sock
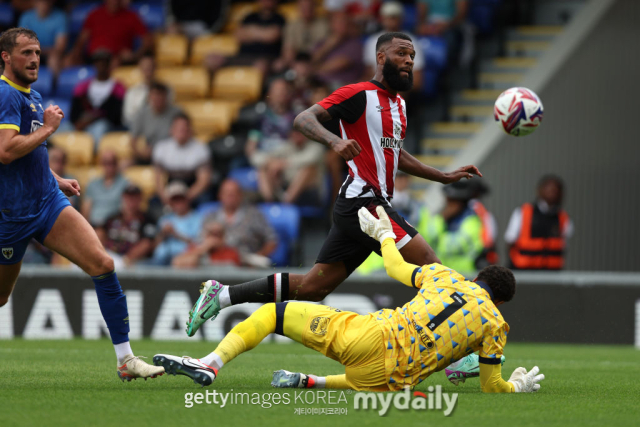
{"points": [[274, 288]]}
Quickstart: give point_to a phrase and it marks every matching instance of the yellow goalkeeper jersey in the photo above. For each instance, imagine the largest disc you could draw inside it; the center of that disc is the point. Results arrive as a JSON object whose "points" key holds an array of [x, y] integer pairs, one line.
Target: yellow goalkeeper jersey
{"points": [[448, 319]]}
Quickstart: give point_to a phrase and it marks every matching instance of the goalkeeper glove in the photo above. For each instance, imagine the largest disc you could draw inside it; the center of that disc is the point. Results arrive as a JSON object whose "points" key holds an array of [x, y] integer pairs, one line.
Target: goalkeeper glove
{"points": [[524, 382], [379, 229]]}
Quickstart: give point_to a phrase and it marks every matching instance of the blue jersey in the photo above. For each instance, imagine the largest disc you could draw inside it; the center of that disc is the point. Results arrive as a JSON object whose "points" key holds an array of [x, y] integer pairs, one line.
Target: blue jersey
{"points": [[26, 183]]}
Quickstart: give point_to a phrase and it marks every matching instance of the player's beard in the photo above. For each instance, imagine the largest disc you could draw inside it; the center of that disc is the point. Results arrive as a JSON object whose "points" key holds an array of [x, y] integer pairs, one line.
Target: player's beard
{"points": [[396, 81], [22, 75]]}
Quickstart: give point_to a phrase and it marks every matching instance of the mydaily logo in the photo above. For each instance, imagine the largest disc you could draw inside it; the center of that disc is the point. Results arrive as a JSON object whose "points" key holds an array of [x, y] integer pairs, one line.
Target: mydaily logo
{"points": [[405, 400]]}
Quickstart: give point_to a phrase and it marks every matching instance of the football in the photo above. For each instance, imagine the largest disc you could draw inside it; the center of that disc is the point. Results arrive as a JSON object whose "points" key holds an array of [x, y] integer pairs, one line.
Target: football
{"points": [[518, 111]]}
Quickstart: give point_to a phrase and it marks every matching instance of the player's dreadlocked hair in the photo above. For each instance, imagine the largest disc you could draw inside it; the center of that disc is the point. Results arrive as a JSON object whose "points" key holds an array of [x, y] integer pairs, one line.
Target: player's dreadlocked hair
{"points": [[9, 40], [387, 37], [500, 280]]}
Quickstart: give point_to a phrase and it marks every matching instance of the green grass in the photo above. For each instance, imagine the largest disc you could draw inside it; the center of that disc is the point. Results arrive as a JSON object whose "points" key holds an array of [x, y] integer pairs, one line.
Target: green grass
{"points": [[66, 383]]}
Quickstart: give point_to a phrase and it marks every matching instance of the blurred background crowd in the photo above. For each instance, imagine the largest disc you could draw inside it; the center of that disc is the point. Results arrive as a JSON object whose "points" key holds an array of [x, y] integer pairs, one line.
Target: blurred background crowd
{"points": [[179, 124]]}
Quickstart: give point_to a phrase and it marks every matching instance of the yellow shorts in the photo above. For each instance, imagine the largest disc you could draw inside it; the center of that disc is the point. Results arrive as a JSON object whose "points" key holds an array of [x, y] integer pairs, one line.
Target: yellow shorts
{"points": [[354, 340]]}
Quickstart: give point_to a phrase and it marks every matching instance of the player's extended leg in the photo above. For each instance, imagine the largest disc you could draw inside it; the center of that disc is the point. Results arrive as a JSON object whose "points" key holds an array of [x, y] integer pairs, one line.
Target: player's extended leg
{"points": [[72, 237], [8, 277], [418, 252]]}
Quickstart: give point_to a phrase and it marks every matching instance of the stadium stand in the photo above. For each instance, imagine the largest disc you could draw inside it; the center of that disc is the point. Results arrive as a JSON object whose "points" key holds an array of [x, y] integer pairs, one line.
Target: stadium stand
{"points": [[77, 145]]}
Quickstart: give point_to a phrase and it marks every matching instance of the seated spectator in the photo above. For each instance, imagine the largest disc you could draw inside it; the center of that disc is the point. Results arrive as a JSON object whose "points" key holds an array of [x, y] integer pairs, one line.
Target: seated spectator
{"points": [[294, 172], [185, 159], [58, 164], [403, 201], [196, 17], [260, 36], [363, 12], [136, 96], [179, 229], [153, 122], [101, 200], [212, 251], [275, 125], [303, 82], [338, 59], [112, 27], [128, 235], [538, 232], [456, 233], [96, 106], [246, 229], [50, 24], [436, 17], [302, 35]]}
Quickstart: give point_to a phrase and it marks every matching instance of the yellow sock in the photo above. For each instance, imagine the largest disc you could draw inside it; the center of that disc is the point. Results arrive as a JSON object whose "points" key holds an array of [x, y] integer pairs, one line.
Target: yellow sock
{"points": [[248, 334]]}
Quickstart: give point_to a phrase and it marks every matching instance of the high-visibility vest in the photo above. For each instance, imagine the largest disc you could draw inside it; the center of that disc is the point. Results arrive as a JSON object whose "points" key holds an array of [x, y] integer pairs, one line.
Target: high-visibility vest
{"points": [[488, 242], [539, 252]]}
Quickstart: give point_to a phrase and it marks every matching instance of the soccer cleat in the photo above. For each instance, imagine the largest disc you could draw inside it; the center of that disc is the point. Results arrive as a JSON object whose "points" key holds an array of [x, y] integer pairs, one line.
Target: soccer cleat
{"points": [[193, 368], [286, 379], [134, 368], [467, 367], [206, 307]]}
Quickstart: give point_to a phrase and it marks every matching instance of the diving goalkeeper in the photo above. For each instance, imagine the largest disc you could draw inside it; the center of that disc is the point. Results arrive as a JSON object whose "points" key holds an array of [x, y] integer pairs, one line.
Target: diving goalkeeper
{"points": [[390, 349]]}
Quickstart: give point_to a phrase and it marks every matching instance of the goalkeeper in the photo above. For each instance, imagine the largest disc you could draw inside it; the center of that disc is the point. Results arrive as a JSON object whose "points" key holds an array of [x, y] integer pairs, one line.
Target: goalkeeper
{"points": [[390, 349]]}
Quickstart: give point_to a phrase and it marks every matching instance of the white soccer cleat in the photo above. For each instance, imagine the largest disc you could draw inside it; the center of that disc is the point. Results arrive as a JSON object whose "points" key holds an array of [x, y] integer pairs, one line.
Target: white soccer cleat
{"points": [[199, 372], [134, 368]]}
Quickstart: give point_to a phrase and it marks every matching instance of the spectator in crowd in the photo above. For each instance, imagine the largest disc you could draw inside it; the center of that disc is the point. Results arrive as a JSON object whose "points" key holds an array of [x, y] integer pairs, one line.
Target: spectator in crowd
{"points": [[293, 172], [136, 96], [246, 229], [50, 24], [211, 251], [185, 159], [275, 124], [96, 106], [363, 12], [391, 16], [196, 17], [489, 225], [303, 34], [456, 233], [112, 27], [128, 235], [446, 18], [338, 59], [102, 197], [58, 164], [303, 82], [179, 229], [153, 122], [538, 232], [403, 201], [260, 35]]}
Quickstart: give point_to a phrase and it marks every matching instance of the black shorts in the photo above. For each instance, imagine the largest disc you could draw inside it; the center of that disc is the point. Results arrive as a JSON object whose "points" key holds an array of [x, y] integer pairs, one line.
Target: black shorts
{"points": [[348, 244]]}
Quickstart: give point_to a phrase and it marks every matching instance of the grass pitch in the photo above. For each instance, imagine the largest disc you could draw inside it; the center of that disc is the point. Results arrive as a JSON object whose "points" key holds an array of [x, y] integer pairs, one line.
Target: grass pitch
{"points": [[68, 383]]}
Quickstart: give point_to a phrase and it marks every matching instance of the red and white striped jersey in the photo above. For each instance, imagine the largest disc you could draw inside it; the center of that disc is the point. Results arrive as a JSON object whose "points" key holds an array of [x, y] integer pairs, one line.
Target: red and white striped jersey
{"points": [[369, 114]]}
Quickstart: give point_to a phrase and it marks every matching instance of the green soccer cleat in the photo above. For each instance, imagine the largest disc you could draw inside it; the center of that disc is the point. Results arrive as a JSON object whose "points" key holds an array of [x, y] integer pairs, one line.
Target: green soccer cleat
{"points": [[286, 379], [467, 367], [206, 307]]}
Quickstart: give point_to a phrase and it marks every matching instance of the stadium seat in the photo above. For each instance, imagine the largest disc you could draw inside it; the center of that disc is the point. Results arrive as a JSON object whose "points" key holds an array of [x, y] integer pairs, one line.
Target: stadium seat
{"points": [[118, 142], [246, 177], [410, 18], [171, 49], [482, 15], [237, 13], [285, 219], [144, 177], [151, 14], [44, 84], [6, 15], [435, 52], [209, 118], [128, 76], [63, 103], [186, 82], [221, 44], [85, 174], [289, 11], [78, 15], [237, 83], [77, 145], [70, 77]]}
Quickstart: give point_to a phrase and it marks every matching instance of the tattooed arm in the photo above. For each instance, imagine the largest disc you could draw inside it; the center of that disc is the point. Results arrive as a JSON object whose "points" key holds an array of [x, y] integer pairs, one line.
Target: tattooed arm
{"points": [[309, 122]]}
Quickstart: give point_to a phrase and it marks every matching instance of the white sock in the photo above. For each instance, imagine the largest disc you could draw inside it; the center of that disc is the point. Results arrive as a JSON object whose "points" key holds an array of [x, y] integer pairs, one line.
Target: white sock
{"points": [[123, 349], [319, 382], [213, 360], [224, 298]]}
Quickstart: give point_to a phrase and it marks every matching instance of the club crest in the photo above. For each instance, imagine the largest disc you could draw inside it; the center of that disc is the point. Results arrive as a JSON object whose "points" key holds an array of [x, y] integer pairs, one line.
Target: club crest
{"points": [[7, 252]]}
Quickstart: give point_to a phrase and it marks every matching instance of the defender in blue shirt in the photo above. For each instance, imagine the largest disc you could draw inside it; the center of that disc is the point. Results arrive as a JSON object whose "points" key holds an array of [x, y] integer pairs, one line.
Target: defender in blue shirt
{"points": [[33, 200]]}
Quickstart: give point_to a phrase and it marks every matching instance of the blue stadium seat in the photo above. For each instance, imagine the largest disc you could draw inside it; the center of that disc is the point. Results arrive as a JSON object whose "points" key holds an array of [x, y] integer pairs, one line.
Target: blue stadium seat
{"points": [[63, 103], [430, 80], [482, 15], [151, 14], [78, 14], [70, 77], [410, 18], [44, 84], [246, 177], [435, 52], [285, 219], [6, 15]]}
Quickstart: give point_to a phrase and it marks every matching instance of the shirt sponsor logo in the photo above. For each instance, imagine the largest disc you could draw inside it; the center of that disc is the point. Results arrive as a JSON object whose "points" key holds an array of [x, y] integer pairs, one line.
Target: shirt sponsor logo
{"points": [[35, 125], [391, 143], [319, 325]]}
